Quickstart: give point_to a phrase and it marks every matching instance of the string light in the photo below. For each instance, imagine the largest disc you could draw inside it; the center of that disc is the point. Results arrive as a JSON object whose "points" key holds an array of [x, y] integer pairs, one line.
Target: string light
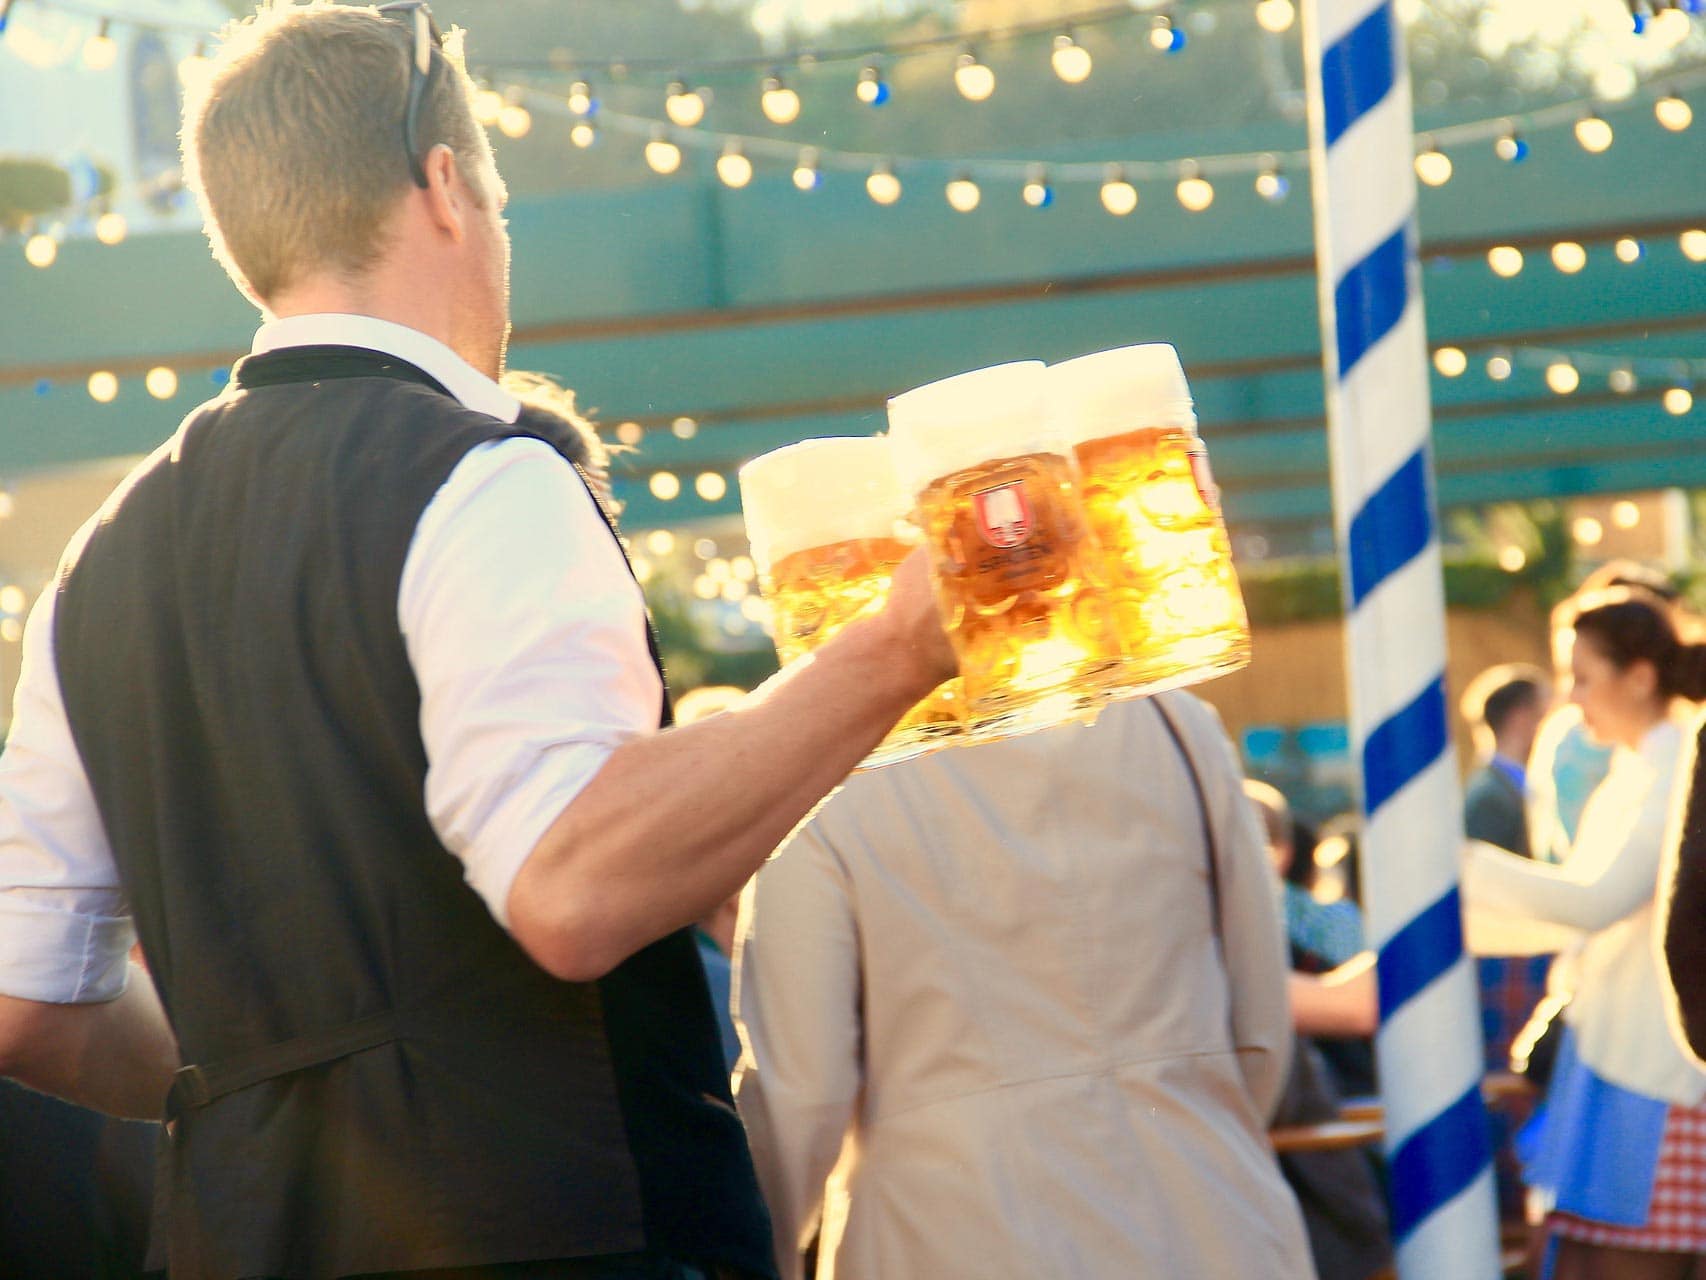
{"points": [[1593, 133], [583, 135], [487, 106], [1511, 148], [162, 383], [514, 120], [1037, 192], [1164, 36], [1498, 367], [807, 175], [111, 228], [1272, 185], [1670, 27], [1275, 16], [103, 386], [661, 154], [1562, 377], [1119, 197], [1673, 112], [1677, 400], [1622, 380], [974, 80], [660, 542], [733, 168], [710, 486], [1450, 361], [1569, 257], [1693, 244], [1505, 260], [684, 107], [1625, 514], [580, 99], [1512, 558], [193, 69], [100, 50], [871, 88], [882, 186], [41, 250], [12, 599], [963, 194], [630, 433], [643, 569], [1629, 249], [780, 104], [1433, 166], [1194, 191], [665, 486], [1071, 60], [1587, 531]]}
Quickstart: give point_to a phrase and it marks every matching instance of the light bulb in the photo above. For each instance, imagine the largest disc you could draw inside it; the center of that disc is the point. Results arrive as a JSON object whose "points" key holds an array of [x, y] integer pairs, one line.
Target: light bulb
{"points": [[1562, 377], [683, 106], [1678, 401], [733, 168], [683, 428], [1512, 558], [665, 486], [1272, 185], [1622, 380], [100, 50], [111, 228], [1670, 28], [1593, 133], [807, 176], [1630, 249], [1498, 367], [663, 155], [580, 99], [1037, 192], [193, 69], [660, 542], [515, 120], [1195, 193], [630, 433], [882, 186], [1450, 361], [871, 88], [1625, 514], [1119, 197], [1673, 113], [1511, 149], [974, 80], [780, 104], [1275, 15], [583, 135], [487, 106], [41, 249], [1165, 37], [710, 486], [1505, 260], [1569, 257], [103, 386], [162, 383], [1071, 60], [1433, 167], [1587, 531], [1693, 244], [963, 194]]}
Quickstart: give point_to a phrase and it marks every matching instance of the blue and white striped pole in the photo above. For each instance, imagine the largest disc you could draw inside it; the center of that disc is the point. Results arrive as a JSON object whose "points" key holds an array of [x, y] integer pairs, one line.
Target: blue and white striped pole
{"points": [[1444, 1216]]}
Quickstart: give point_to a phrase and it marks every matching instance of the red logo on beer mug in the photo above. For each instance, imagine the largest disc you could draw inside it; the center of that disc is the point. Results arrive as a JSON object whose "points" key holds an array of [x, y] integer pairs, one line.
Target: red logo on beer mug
{"points": [[1207, 490], [1004, 515]]}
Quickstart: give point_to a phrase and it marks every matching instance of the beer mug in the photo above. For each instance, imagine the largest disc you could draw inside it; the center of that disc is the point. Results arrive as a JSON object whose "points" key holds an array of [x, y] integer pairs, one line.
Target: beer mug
{"points": [[997, 496], [1156, 515], [827, 521]]}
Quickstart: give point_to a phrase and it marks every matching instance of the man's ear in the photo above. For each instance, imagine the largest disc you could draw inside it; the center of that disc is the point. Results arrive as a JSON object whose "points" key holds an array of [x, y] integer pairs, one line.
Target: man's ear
{"points": [[447, 196]]}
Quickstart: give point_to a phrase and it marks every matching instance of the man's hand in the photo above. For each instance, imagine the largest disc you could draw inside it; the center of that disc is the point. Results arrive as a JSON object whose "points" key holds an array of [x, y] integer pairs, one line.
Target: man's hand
{"points": [[917, 620]]}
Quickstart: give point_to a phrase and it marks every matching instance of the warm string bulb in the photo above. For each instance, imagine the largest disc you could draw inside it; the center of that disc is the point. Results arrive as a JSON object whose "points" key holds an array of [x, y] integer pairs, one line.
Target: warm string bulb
{"points": [[882, 185], [580, 99], [1562, 377], [962, 193], [662, 155], [1569, 257], [1677, 400], [1593, 133], [1673, 112], [1505, 260], [41, 250], [780, 104], [1275, 16], [1164, 36], [487, 106], [1194, 191], [1693, 244], [807, 175], [1450, 361], [733, 168], [1511, 148], [514, 119], [1037, 193], [1498, 366], [973, 79], [871, 88], [1622, 380], [111, 228], [684, 107], [162, 382], [1272, 185], [583, 135], [1119, 197], [1629, 250], [100, 51], [1433, 166], [1071, 60], [103, 386]]}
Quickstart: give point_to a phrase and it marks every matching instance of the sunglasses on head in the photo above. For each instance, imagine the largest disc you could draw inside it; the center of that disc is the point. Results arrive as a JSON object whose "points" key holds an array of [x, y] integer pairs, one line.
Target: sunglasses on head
{"points": [[426, 35]]}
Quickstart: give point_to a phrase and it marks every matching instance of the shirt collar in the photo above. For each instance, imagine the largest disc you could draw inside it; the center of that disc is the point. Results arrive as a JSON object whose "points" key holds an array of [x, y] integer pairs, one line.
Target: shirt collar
{"points": [[473, 389], [1512, 770]]}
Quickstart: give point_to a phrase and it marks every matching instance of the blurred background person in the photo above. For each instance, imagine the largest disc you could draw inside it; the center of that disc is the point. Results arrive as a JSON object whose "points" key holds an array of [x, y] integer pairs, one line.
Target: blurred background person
{"points": [[1019, 1009], [1623, 1132]]}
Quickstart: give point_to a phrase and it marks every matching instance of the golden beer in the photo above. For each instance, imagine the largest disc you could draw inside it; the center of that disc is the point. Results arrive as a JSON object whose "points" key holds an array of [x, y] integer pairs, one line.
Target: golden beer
{"points": [[1012, 553], [1156, 514], [797, 501]]}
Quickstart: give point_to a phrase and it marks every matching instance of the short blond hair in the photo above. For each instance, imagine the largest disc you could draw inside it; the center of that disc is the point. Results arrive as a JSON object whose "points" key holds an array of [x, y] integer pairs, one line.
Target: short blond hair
{"points": [[293, 144]]}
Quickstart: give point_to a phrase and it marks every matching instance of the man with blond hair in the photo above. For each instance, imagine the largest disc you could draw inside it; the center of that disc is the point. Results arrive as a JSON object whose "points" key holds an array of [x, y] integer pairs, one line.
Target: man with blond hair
{"points": [[344, 705]]}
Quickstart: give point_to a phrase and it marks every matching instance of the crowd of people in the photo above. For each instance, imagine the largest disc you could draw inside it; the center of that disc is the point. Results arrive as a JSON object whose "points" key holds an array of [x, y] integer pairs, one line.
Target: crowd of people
{"points": [[345, 829]]}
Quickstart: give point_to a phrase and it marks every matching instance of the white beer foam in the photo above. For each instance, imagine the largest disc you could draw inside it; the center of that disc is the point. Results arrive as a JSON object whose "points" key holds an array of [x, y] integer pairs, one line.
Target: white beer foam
{"points": [[970, 418], [1111, 392], [819, 492]]}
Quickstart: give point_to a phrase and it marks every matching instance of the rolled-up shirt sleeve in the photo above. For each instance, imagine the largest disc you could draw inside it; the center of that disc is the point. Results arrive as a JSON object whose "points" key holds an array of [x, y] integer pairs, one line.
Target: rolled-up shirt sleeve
{"points": [[527, 635], [64, 925]]}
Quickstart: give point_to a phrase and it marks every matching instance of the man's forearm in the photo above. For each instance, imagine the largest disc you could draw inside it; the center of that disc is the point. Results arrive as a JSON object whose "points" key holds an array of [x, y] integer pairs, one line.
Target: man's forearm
{"points": [[117, 1056], [673, 824]]}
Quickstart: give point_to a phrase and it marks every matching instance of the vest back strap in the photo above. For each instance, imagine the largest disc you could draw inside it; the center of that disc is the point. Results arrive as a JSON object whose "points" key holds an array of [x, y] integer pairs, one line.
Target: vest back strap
{"points": [[197, 1085]]}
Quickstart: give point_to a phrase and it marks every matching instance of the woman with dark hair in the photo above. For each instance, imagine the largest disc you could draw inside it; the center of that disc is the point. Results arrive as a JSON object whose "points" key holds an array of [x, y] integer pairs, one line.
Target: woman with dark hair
{"points": [[1623, 1133]]}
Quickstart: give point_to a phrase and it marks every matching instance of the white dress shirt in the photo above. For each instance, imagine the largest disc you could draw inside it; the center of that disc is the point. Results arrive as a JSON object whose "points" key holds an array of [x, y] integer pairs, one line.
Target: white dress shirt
{"points": [[526, 633]]}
